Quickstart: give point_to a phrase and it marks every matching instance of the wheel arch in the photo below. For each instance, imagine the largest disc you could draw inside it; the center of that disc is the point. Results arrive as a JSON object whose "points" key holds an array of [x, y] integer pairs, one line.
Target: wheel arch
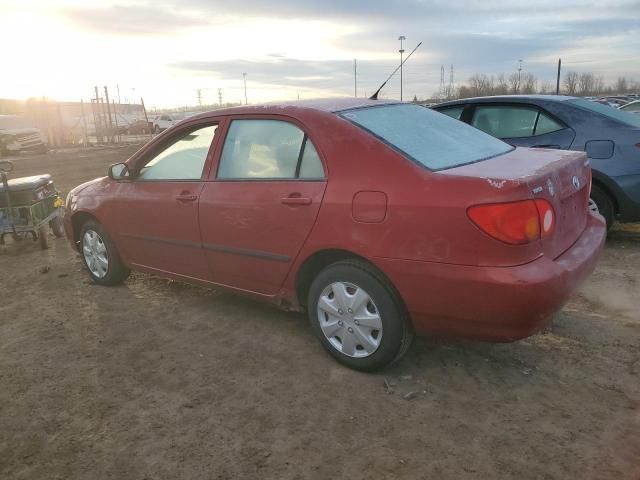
{"points": [[603, 184], [320, 259], [78, 219]]}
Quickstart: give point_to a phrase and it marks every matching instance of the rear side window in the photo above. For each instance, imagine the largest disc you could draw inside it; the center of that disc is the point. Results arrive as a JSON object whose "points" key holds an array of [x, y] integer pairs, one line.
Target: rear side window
{"points": [[546, 124], [426, 137], [453, 112], [268, 149]]}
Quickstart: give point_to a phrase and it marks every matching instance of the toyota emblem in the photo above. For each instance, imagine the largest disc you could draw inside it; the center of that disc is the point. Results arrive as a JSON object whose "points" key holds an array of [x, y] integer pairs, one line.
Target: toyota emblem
{"points": [[575, 182]]}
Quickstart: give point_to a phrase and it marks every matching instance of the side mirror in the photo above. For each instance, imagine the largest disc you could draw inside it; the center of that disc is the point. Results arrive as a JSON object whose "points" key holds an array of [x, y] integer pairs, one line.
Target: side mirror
{"points": [[119, 171]]}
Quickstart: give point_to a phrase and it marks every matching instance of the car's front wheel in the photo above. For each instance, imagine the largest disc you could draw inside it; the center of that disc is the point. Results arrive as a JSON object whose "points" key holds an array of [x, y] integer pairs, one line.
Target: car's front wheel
{"points": [[357, 316], [100, 255]]}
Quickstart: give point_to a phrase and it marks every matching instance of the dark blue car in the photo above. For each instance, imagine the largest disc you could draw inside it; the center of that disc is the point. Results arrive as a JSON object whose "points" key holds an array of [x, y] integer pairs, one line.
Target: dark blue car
{"points": [[610, 137]]}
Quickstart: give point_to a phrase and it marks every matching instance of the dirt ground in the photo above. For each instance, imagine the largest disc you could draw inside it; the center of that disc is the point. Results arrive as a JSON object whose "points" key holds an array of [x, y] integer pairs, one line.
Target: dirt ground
{"points": [[161, 380]]}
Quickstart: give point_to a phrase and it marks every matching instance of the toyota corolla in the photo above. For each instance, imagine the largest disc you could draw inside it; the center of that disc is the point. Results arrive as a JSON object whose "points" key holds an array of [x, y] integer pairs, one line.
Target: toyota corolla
{"points": [[382, 220]]}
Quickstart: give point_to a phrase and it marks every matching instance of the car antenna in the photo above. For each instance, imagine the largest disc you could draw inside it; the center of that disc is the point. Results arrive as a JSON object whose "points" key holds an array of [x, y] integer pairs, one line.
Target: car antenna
{"points": [[375, 95]]}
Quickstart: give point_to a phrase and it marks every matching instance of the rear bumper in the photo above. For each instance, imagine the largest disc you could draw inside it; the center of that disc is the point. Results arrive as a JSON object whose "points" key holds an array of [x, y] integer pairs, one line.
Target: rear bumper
{"points": [[493, 303]]}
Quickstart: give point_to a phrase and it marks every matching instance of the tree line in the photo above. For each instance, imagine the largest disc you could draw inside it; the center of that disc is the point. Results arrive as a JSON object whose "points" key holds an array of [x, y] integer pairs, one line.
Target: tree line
{"points": [[573, 83]]}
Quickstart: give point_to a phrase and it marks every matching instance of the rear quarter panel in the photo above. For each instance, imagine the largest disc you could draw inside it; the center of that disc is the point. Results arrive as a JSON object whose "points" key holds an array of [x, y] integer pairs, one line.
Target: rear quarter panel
{"points": [[426, 216]]}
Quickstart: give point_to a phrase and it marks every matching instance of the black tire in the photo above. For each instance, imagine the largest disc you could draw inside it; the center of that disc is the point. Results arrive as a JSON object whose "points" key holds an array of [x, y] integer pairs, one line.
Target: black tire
{"points": [[156, 129], [117, 272], [604, 203], [57, 225], [397, 334], [43, 231]]}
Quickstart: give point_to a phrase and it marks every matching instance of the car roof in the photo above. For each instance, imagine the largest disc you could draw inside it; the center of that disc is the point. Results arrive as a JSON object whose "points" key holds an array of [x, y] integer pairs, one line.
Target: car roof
{"points": [[330, 105], [507, 98]]}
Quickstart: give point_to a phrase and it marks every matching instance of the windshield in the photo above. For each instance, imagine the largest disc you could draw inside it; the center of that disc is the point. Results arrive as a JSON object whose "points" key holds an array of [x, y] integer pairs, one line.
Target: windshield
{"points": [[610, 112], [429, 138]]}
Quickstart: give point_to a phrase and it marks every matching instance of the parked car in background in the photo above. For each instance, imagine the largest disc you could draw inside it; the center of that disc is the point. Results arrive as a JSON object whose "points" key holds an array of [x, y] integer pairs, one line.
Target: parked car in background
{"points": [[610, 137], [138, 127], [382, 220], [631, 107], [166, 120], [17, 136]]}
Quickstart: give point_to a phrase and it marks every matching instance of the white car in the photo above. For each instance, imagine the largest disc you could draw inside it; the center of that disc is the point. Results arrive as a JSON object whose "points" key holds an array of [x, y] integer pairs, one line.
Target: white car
{"points": [[631, 107], [166, 120]]}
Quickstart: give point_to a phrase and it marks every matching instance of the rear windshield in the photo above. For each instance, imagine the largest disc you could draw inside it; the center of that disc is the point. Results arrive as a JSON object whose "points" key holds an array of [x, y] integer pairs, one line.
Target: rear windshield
{"points": [[429, 138], [627, 118]]}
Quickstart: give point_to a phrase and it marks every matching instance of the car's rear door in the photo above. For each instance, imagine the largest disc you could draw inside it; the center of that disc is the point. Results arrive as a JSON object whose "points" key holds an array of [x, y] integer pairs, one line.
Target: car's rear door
{"points": [[157, 212], [262, 202]]}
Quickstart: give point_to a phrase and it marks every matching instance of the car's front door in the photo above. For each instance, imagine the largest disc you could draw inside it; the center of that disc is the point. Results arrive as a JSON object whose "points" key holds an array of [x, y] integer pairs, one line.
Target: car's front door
{"points": [[262, 204], [522, 125], [157, 214]]}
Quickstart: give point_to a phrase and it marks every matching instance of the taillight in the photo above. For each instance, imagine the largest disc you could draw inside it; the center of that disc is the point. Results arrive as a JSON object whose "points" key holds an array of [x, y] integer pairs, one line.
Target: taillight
{"points": [[516, 223]]}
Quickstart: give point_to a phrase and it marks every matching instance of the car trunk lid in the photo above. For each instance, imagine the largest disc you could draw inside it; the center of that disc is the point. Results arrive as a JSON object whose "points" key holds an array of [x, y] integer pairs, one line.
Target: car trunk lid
{"points": [[560, 177]]}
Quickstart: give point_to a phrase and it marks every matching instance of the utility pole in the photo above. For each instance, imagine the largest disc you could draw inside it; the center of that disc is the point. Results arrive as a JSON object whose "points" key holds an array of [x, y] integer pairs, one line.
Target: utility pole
{"points": [[199, 96], [558, 77], [244, 77], [355, 78], [401, 38], [220, 96], [442, 88], [519, 70], [118, 88]]}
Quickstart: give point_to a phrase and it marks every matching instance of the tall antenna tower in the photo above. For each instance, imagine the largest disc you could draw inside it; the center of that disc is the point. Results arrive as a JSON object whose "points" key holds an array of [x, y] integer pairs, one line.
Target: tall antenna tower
{"points": [[442, 92], [220, 96], [450, 93]]}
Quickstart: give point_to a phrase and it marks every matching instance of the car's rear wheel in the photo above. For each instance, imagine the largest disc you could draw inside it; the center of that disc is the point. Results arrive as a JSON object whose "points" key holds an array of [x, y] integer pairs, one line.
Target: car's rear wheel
{"points": [[601, 203], [100, 255], [357, 316], [156, 129]]}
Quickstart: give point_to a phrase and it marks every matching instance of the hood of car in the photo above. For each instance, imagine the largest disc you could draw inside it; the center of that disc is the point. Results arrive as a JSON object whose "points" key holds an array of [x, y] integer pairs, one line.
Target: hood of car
{"points": [[89, 188]]}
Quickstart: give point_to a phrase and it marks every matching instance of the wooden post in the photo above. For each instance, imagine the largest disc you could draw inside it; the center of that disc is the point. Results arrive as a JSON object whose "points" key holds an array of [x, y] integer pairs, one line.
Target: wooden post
{"points": [[84, 124], [146, 119], [115, 118], [106, 98], [97, 114]]}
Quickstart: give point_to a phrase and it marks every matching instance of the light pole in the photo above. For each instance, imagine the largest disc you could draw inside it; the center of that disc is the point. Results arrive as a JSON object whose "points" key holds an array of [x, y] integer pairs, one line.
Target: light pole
{"points": [[401, 38], [519, 70], [244, 77]]}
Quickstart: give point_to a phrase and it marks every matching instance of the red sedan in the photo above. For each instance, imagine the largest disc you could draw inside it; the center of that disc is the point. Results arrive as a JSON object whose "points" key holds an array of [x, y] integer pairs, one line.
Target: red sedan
{"points": [[382, 220]]}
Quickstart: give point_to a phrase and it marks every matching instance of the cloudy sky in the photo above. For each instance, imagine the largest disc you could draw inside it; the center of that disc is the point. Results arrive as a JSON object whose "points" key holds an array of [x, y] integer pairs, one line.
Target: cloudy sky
{"points": [[166, 51]]}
